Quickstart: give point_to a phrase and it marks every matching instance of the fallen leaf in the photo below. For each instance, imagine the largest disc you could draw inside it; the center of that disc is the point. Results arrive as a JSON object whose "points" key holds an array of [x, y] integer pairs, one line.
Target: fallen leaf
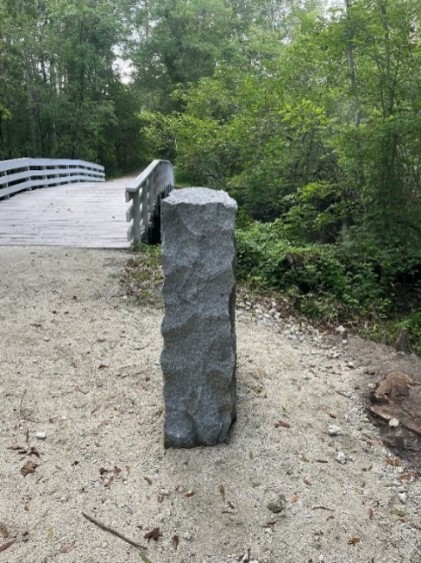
{"points": [[370, 513], [117, 470], [251, 454], [353, 540], [154, 534], [21, 450], [29, 467], [307, 482], [6, 545], [175, 541], [407, 476], [393, 461], [67, 548], [222, 492], [190, 493], [4, 531], [282, 424], [148, 480], [103, 366], [50, 533], [103, 471]]}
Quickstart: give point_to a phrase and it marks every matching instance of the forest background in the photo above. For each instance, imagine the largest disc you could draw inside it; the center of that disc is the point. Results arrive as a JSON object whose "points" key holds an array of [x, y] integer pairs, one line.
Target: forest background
{"points": [[307, 112]]}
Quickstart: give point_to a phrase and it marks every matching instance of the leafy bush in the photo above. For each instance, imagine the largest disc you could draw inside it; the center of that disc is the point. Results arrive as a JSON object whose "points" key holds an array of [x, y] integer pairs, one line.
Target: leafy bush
{"points": [[321, 279]]}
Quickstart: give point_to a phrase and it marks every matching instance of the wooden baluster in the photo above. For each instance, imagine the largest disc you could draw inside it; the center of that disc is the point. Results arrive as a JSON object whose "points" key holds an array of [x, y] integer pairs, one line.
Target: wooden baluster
{"points": [[145, 204], [137, 232]]}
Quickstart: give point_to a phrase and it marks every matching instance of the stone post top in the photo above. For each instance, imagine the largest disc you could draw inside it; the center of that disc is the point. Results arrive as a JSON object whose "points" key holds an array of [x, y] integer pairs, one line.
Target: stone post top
{"points": [[200, 196]]}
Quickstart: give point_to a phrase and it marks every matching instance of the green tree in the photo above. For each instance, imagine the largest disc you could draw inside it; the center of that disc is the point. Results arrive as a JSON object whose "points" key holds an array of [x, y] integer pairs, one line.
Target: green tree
{"points": [[61, 87]]}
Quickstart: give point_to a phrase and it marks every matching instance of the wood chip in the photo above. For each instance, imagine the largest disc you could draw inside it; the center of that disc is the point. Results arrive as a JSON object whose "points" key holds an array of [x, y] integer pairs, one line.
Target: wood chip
{"points": [[282, 424], [353, 540], [175, 541], [29, 467]]}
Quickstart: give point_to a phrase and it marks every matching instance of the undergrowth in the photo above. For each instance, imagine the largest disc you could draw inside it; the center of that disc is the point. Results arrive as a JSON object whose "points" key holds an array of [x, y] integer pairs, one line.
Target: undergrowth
{"points": [[329, 284], [143, 276], [338, 283]]}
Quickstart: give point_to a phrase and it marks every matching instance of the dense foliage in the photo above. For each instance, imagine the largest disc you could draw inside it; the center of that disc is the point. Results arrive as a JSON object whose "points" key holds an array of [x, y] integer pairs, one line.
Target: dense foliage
{"points": [[309, 117]]}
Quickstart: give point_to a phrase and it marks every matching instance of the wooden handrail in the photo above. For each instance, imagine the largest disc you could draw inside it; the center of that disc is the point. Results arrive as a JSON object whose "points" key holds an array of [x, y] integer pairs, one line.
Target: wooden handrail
{"points": [[22, 174], [145, 193]]}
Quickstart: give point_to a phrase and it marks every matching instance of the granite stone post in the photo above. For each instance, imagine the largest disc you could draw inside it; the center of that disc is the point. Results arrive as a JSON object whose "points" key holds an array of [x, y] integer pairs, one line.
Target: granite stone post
{"points": [[198, 359]]}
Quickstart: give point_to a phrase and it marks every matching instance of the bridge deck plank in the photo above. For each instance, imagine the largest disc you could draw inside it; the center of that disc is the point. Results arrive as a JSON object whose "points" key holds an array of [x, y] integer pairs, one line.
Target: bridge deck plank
{"points": [[85, 215]]}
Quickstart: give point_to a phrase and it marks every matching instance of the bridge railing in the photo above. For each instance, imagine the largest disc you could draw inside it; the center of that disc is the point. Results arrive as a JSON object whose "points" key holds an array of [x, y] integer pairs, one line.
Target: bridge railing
{"points": [[145, 193], [27, 173]]}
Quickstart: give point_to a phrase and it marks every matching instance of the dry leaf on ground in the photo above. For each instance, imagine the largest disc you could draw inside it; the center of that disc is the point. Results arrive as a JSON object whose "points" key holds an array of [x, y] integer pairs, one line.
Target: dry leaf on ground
{"points": [[154, 534], [29, 467]]}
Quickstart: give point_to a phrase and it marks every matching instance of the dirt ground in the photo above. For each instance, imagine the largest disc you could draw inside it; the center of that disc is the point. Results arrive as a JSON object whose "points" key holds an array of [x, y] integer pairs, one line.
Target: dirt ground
{"points": [[81, 416]]}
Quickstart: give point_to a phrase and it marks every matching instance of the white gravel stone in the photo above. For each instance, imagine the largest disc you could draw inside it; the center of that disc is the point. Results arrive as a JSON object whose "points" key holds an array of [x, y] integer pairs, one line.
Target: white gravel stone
{"points": [[394, 423], [334, 430], [341, 458]]}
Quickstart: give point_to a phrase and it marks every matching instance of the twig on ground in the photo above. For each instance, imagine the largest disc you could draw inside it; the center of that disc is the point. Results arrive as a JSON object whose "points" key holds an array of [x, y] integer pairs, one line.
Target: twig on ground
{"points": [[112, 531], [115, 533], [20, 407], [6, 545], [343, 394]]}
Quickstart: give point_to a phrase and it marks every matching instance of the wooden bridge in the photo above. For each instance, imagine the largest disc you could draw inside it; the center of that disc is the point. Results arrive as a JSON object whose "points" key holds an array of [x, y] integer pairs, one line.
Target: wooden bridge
{"points": [[68, 203]]}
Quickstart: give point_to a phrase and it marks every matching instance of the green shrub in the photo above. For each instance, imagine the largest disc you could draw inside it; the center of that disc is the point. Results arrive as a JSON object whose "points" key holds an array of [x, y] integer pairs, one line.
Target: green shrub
{"points": [[321, 279]]}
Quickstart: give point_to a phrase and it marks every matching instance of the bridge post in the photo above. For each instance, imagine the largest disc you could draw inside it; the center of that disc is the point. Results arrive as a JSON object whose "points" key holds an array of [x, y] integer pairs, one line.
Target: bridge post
{"points": [[5, 185], [199, 356], [137, 234], [145, 204]]}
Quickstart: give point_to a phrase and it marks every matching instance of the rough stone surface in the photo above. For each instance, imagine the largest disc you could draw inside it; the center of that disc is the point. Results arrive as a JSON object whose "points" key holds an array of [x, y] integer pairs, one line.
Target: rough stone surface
{"points": [[199, 356]]}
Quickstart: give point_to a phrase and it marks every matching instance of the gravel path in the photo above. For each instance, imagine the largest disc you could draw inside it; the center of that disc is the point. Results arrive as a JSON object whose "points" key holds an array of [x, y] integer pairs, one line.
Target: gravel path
{"points": [[81, 414]]}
